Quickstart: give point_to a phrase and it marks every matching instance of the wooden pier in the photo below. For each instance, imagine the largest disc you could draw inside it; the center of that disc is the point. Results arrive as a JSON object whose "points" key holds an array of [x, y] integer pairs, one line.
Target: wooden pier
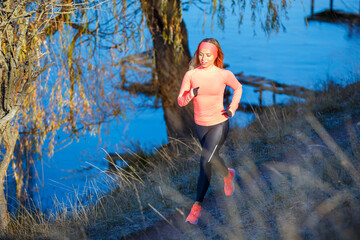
{"points": [[334, 16], [262, 84]]}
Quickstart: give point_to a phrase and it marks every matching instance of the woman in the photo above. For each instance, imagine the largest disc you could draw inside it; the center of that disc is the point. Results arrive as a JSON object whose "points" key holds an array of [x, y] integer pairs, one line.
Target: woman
{"points": [[205, 85]]}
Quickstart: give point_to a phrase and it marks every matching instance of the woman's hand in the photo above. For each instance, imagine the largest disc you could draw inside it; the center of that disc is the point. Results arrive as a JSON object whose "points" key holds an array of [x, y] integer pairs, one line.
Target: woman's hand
{"points": [[227, 113], [195, 91]]}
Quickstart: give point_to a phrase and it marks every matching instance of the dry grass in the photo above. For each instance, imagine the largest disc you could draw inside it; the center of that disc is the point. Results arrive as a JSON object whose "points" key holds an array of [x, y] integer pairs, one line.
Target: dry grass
{"points": [[298, 178]]}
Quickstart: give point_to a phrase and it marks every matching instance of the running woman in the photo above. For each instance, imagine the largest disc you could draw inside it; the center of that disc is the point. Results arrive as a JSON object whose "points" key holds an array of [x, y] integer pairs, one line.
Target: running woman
{"points": [[205, 85]]}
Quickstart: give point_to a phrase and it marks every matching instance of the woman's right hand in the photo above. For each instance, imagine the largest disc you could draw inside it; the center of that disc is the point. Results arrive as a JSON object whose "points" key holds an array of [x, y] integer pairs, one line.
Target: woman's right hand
{"points": [[195, 91]]}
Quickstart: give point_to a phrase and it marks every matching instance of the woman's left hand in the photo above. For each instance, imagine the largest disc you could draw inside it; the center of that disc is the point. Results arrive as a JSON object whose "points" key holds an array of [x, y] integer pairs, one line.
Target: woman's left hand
{"points": [[227, 112]]}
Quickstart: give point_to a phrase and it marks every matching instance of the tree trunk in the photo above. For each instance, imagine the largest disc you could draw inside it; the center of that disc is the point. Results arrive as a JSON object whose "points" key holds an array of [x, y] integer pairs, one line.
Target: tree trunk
{"points": [[169, 68], [9, 137]]}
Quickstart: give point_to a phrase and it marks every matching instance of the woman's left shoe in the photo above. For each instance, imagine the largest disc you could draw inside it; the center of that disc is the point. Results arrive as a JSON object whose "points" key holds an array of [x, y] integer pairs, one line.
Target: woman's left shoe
{"points": [[229, 186]]}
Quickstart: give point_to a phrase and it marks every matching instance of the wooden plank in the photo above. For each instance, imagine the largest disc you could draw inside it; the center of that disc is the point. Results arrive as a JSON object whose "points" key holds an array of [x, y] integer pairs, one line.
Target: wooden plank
{"points": [[312, 7]]}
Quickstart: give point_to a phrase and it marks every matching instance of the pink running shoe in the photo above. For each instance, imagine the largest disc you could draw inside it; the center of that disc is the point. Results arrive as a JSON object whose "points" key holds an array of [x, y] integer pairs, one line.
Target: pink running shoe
{"points": [[194, 214], [229, 183]]}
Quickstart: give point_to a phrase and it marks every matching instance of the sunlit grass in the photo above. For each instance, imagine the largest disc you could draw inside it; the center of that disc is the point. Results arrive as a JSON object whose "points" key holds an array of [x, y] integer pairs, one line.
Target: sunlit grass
{"points": [[298, 177]]}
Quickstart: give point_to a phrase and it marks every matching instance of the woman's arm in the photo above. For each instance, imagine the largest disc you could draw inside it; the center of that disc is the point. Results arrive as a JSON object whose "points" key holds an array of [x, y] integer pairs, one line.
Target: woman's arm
{"points": [[186, 92], [232, 82]]}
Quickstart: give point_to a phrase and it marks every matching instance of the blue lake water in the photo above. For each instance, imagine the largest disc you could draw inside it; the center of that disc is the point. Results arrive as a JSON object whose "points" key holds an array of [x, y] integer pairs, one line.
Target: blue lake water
{"points": [[303, 55]]}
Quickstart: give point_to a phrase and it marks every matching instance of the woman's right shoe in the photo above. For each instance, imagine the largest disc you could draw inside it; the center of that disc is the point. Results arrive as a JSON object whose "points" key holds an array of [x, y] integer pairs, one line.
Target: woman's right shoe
{"points": [[194, 215]]}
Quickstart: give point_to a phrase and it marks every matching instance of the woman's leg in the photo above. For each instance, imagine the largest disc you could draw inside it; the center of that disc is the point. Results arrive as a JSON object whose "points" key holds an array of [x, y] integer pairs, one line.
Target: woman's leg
{"points": [[211, 139], [216, 161]]}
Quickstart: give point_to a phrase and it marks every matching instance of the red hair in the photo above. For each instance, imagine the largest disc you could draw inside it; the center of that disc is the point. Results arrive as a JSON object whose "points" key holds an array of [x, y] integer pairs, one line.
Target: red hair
{"points": [[220, 55]]}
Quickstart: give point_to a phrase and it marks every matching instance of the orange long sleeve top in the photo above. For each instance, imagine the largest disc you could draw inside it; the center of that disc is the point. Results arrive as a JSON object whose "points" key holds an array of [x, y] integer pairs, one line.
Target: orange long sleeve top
{"points": [[208, 104]]}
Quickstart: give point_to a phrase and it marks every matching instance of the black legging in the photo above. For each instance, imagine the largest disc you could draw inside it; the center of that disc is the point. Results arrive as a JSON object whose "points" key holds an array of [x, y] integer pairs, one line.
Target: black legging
{"points": [[211, 139]]}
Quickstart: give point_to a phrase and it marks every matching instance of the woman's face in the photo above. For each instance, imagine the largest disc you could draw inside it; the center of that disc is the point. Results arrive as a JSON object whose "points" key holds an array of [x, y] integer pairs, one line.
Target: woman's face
{"points": [[206, 58]]}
